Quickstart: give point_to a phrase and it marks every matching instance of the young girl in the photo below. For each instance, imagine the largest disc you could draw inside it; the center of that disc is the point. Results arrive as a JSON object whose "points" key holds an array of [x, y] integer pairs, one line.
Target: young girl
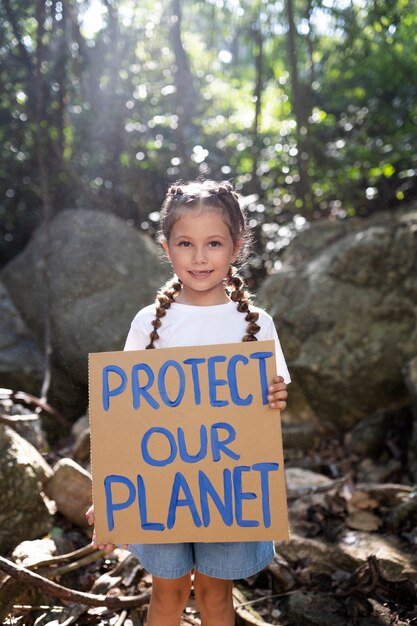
{"points": [[204, 234]]}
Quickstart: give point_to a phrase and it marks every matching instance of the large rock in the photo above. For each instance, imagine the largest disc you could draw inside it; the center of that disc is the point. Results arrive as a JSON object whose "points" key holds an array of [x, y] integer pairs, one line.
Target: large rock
{"points": [[20, 358], [70, 488], [350, 551], [24, 513], [102, 271], [346, 316], [22, 363]]}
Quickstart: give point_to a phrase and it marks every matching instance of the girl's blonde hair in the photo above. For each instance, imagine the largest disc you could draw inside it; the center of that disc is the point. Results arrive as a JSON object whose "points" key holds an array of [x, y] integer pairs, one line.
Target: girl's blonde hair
{"points": [[222, 197]]}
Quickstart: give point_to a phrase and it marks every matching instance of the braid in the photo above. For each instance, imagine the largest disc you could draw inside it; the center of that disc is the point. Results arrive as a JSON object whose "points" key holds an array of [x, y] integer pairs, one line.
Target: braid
{"points": [[164, 298], [240, 295]]}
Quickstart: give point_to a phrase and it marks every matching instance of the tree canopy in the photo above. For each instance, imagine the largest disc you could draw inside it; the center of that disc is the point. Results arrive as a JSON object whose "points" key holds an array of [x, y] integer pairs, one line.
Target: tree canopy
{"points": [[310, 106]]}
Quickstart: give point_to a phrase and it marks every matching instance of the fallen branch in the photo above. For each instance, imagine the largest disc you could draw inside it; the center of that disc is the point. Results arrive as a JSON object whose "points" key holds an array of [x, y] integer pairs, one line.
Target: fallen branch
{"points": [[10, 588], [29, 399], [264, 598], [68, 556], [70, 595], [245, 614], [102, 585], [293, 494], [55, 572]]}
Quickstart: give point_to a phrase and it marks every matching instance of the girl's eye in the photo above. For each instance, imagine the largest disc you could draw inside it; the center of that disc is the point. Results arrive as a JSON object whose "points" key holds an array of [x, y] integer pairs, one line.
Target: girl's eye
{"points": [[184, 244], [215, 244]]}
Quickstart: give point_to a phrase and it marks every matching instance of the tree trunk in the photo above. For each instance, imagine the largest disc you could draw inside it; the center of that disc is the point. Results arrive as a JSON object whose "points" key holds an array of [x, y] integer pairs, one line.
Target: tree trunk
{"points": [[310, 46], [41, 143], [258, 105], [301, 118], [57, 168], [115, 136], [186, 97]]}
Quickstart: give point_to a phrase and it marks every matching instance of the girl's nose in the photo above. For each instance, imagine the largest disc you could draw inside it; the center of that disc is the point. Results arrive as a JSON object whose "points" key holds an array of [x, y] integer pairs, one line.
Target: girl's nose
{"points": [[199, 255]]}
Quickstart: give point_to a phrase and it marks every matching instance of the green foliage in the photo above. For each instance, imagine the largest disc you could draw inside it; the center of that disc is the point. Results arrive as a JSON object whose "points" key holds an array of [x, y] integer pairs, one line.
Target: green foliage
{"points": [[127, 107]]}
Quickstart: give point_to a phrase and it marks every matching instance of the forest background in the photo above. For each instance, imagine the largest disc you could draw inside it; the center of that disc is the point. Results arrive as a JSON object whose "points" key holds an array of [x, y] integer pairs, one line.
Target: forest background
{"points": [[309, 106]]}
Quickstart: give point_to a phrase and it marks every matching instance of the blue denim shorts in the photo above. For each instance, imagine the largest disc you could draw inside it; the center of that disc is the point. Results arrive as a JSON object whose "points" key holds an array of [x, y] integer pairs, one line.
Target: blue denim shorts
{"points": [[230, 561]]}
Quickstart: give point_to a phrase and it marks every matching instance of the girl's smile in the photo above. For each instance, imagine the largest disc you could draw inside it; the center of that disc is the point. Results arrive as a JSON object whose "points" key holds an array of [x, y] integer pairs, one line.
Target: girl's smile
{"points": [[201, 250], [201, 274]]}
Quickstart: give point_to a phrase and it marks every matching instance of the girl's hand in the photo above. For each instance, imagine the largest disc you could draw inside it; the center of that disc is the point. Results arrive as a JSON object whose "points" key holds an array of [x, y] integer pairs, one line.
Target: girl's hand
{"points": [[277, 394], [109, 547], [90, 515]]}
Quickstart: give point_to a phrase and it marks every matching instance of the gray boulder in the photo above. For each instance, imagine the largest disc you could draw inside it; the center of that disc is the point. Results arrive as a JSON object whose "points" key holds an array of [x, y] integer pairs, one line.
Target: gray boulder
{"points": [[346, 316], [21, 363], [70, 488], [20, 358], [24, 513], [102, 271]]}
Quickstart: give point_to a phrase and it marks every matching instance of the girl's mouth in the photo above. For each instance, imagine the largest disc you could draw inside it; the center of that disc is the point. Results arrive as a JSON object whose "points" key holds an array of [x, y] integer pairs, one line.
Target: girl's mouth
{"points": [[200, 274]]}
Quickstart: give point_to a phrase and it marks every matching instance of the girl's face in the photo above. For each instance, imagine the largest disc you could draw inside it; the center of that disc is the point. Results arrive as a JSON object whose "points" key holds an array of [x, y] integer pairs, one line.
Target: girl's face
{"points": [[201, 249]]}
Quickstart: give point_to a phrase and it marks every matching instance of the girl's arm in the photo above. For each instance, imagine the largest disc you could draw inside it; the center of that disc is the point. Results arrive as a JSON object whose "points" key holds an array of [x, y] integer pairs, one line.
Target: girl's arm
{"points": [[278, 394]]}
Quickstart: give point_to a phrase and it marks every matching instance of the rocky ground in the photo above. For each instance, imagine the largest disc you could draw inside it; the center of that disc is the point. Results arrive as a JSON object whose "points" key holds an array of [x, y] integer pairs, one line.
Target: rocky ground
{"points": [[351, 558]]}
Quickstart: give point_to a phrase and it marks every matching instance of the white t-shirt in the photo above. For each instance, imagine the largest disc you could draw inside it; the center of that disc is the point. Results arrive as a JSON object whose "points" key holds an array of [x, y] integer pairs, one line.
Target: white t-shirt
{"points": [[189, 325]]}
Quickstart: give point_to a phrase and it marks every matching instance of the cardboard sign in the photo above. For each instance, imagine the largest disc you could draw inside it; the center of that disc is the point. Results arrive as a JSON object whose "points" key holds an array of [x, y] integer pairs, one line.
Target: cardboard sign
{"points": [[185, 446]]}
